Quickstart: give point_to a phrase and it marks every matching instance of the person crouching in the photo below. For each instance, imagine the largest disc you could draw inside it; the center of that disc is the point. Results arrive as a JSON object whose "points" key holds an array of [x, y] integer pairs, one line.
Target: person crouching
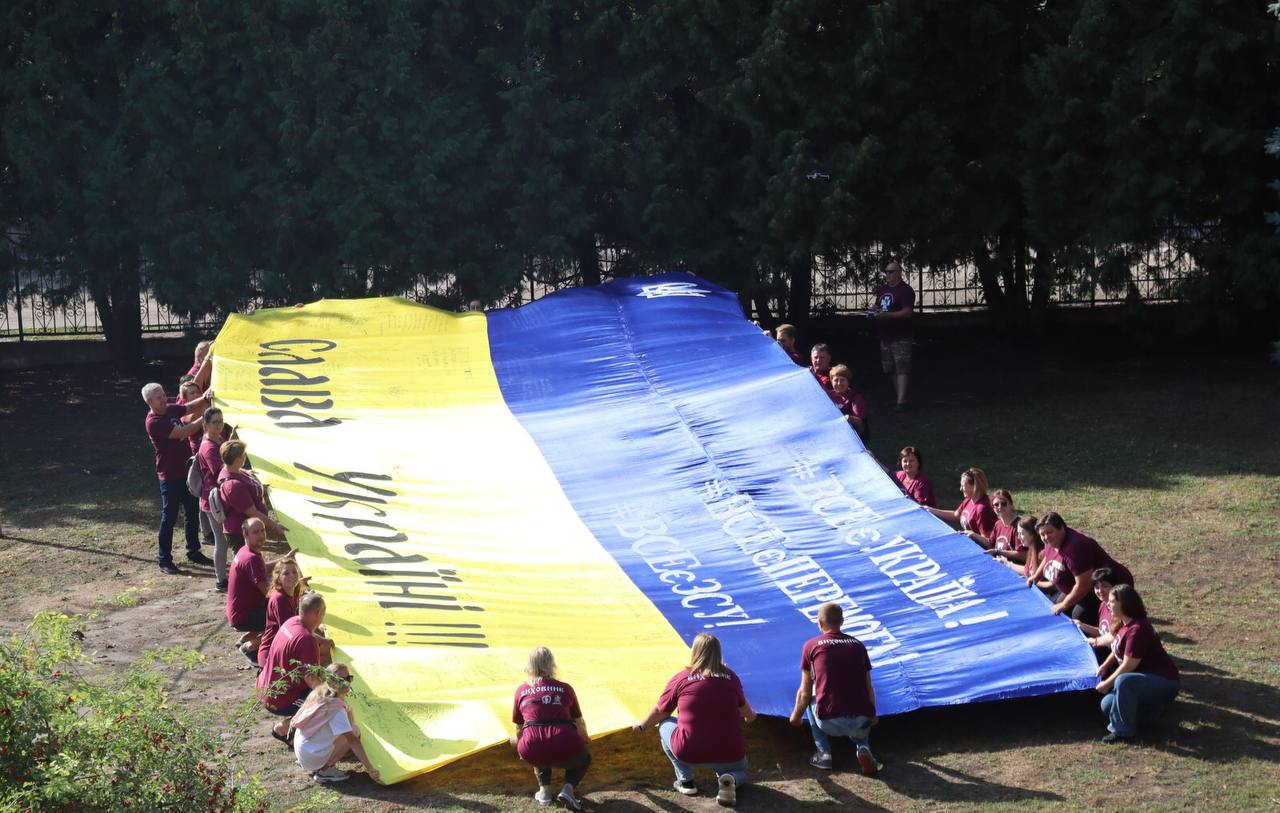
{"points": [[550, 731]]}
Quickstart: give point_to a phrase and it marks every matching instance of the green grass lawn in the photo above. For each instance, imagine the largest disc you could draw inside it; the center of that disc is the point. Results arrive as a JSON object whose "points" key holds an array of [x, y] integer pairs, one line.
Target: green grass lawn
{"points": [[1171, 461]]}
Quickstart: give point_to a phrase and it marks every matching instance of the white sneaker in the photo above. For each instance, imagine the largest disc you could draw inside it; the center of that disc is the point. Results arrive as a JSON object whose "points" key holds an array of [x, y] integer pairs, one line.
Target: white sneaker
{"points": [[331, 774], [685, 786], [727, 796], [567, 800], [544, 798]]}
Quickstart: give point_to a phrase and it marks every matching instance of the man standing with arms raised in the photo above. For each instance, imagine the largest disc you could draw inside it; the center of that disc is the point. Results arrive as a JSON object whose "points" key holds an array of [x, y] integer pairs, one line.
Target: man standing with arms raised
{"points": [[895, 302], [168, 436], [836, 692]]}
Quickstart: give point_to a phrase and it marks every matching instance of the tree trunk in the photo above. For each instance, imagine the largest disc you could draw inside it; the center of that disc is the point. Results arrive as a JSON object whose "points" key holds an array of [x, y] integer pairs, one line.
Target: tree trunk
{"points": [[800, 295], [118, 302], [588, 258], [1041, 288], [990, 268]]}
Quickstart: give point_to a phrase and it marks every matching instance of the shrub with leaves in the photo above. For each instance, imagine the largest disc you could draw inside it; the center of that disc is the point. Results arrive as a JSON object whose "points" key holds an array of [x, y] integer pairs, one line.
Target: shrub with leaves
{"points": [[75, 737]]}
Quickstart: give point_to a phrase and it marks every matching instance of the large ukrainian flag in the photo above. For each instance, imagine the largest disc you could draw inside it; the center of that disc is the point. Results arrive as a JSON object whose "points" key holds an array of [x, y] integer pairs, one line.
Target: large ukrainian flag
{"points": [[606, 472]]}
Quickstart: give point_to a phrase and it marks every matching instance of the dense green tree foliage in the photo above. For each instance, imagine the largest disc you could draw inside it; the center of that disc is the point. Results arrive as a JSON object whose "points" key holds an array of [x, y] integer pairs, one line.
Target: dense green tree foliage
{"points": [[226, 152]]}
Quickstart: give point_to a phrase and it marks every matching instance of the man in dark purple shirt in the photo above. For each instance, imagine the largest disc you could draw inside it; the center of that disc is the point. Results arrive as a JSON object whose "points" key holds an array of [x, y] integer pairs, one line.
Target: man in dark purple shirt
{"points": [[168, 435], [895, 302], [836, 693]]}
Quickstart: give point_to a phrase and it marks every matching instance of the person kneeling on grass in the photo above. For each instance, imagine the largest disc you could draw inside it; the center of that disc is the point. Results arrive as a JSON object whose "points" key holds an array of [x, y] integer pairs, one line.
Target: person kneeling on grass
{"points": [[1145, 679], [293, 665], [550, 731], [835, 692], [326, 729], [248, 588], [709, 699]]}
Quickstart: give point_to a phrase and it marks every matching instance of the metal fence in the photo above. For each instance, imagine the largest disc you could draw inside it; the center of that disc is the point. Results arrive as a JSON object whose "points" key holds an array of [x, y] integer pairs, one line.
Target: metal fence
{"points": [[44, 305]]}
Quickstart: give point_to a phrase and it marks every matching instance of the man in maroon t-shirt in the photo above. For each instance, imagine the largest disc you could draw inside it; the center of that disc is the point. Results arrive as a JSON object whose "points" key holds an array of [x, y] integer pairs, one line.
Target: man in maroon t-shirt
{"points": [[786, 338], [293, 664], [835, 692], [168, 435], [895, 302], [248, 587]]}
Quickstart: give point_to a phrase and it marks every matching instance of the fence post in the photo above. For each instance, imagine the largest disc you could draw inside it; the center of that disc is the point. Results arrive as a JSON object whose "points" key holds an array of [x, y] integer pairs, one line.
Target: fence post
{"points": [[17, 298]]}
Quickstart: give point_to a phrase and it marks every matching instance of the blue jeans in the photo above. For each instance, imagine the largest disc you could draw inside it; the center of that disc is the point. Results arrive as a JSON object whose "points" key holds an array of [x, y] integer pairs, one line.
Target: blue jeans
{"points": [[684, 770], [174, 493], [1136, 697], [857, 729]]}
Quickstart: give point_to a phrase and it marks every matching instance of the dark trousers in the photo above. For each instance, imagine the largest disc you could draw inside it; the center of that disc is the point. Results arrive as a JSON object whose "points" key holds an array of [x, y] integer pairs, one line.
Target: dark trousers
{"points": [[174, 494], [1086, 610], [574, 769]]}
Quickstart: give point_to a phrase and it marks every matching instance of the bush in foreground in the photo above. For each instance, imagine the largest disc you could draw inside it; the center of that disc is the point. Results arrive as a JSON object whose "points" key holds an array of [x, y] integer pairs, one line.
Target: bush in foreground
{"points": [[74, 738]]}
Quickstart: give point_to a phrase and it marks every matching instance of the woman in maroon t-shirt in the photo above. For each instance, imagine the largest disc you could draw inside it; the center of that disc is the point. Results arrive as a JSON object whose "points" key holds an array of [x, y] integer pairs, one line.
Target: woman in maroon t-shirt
{"points": [[1100, 636], [1033, 547], [1004, 541], [911, 478], [1069, 560], [241, 493], [1145, 679], [550, 731], [709, 700], [210, 466], [287, 587], [974, 514]]}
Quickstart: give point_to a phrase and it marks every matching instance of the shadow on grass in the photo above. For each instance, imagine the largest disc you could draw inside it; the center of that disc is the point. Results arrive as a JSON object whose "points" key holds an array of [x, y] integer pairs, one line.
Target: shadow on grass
{"points": [[82, 549]]}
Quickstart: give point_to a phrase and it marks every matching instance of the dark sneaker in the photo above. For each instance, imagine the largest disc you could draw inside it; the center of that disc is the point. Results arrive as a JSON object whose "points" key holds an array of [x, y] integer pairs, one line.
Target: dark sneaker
{"points": [[821, 761], [727, 794], [870, 765], [170, 568], [221, 586], [1113, 738], [198, 558], [685, 786], [331, 775]]}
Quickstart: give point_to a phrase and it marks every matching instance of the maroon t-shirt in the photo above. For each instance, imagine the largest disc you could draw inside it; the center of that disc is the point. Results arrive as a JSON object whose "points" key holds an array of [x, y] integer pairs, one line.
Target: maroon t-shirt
{"points": [[1081, 554], [839, 666], [1104, 619], [240, 492], [977, 515], [1005, 537], [210, 468], [890, 299], [547, 700], [248, 570], [823, 378], [797, 358], [172, 454], [1138, 638], [919, 489], [709, 728], [280, 608], [293, 645]]}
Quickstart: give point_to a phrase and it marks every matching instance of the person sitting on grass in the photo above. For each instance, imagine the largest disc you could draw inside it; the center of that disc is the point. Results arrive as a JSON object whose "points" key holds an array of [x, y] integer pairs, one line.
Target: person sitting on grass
{"points": [[326, 731], [210, 466], [248, 587], [1070, 558], [168, 435], [1141, 678], [835, 691], [1033, 549], [850, 403], [911, 478], [820, 356], [710, 702], [241, 493], [550, 731], [293, 665], [1004, 541], [1100, 636], [786, 338], [974, 514], [287, 586]]}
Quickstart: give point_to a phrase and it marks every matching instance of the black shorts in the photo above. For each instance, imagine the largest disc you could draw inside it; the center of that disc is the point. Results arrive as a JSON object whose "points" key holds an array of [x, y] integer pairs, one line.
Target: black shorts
{"points": [[235, 540], [256, 622], [292, 708]]}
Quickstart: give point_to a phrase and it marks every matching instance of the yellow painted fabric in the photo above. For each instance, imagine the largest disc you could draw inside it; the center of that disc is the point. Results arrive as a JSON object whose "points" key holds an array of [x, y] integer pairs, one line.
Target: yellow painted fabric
{"points": [[433, 526]]}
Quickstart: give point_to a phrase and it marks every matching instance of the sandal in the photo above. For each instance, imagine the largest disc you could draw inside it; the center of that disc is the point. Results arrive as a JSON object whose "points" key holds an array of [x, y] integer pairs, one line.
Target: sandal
{"points": [[287, 739]]}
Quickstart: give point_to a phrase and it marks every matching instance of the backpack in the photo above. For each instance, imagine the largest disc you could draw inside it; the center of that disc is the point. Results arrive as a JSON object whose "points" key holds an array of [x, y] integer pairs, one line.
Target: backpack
{"points": [[195, 477], [217, 511]]}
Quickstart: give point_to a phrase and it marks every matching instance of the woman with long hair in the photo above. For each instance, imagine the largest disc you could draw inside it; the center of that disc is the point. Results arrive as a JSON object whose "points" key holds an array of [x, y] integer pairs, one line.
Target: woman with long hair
{"points": [[710, 703], [974, 514], [1141, 677], [550, 731]]}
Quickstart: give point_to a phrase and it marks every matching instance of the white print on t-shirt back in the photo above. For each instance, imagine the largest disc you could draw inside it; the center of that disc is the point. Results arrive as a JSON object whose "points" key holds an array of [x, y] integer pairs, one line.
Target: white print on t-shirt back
{"points": [[542, 687]]}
